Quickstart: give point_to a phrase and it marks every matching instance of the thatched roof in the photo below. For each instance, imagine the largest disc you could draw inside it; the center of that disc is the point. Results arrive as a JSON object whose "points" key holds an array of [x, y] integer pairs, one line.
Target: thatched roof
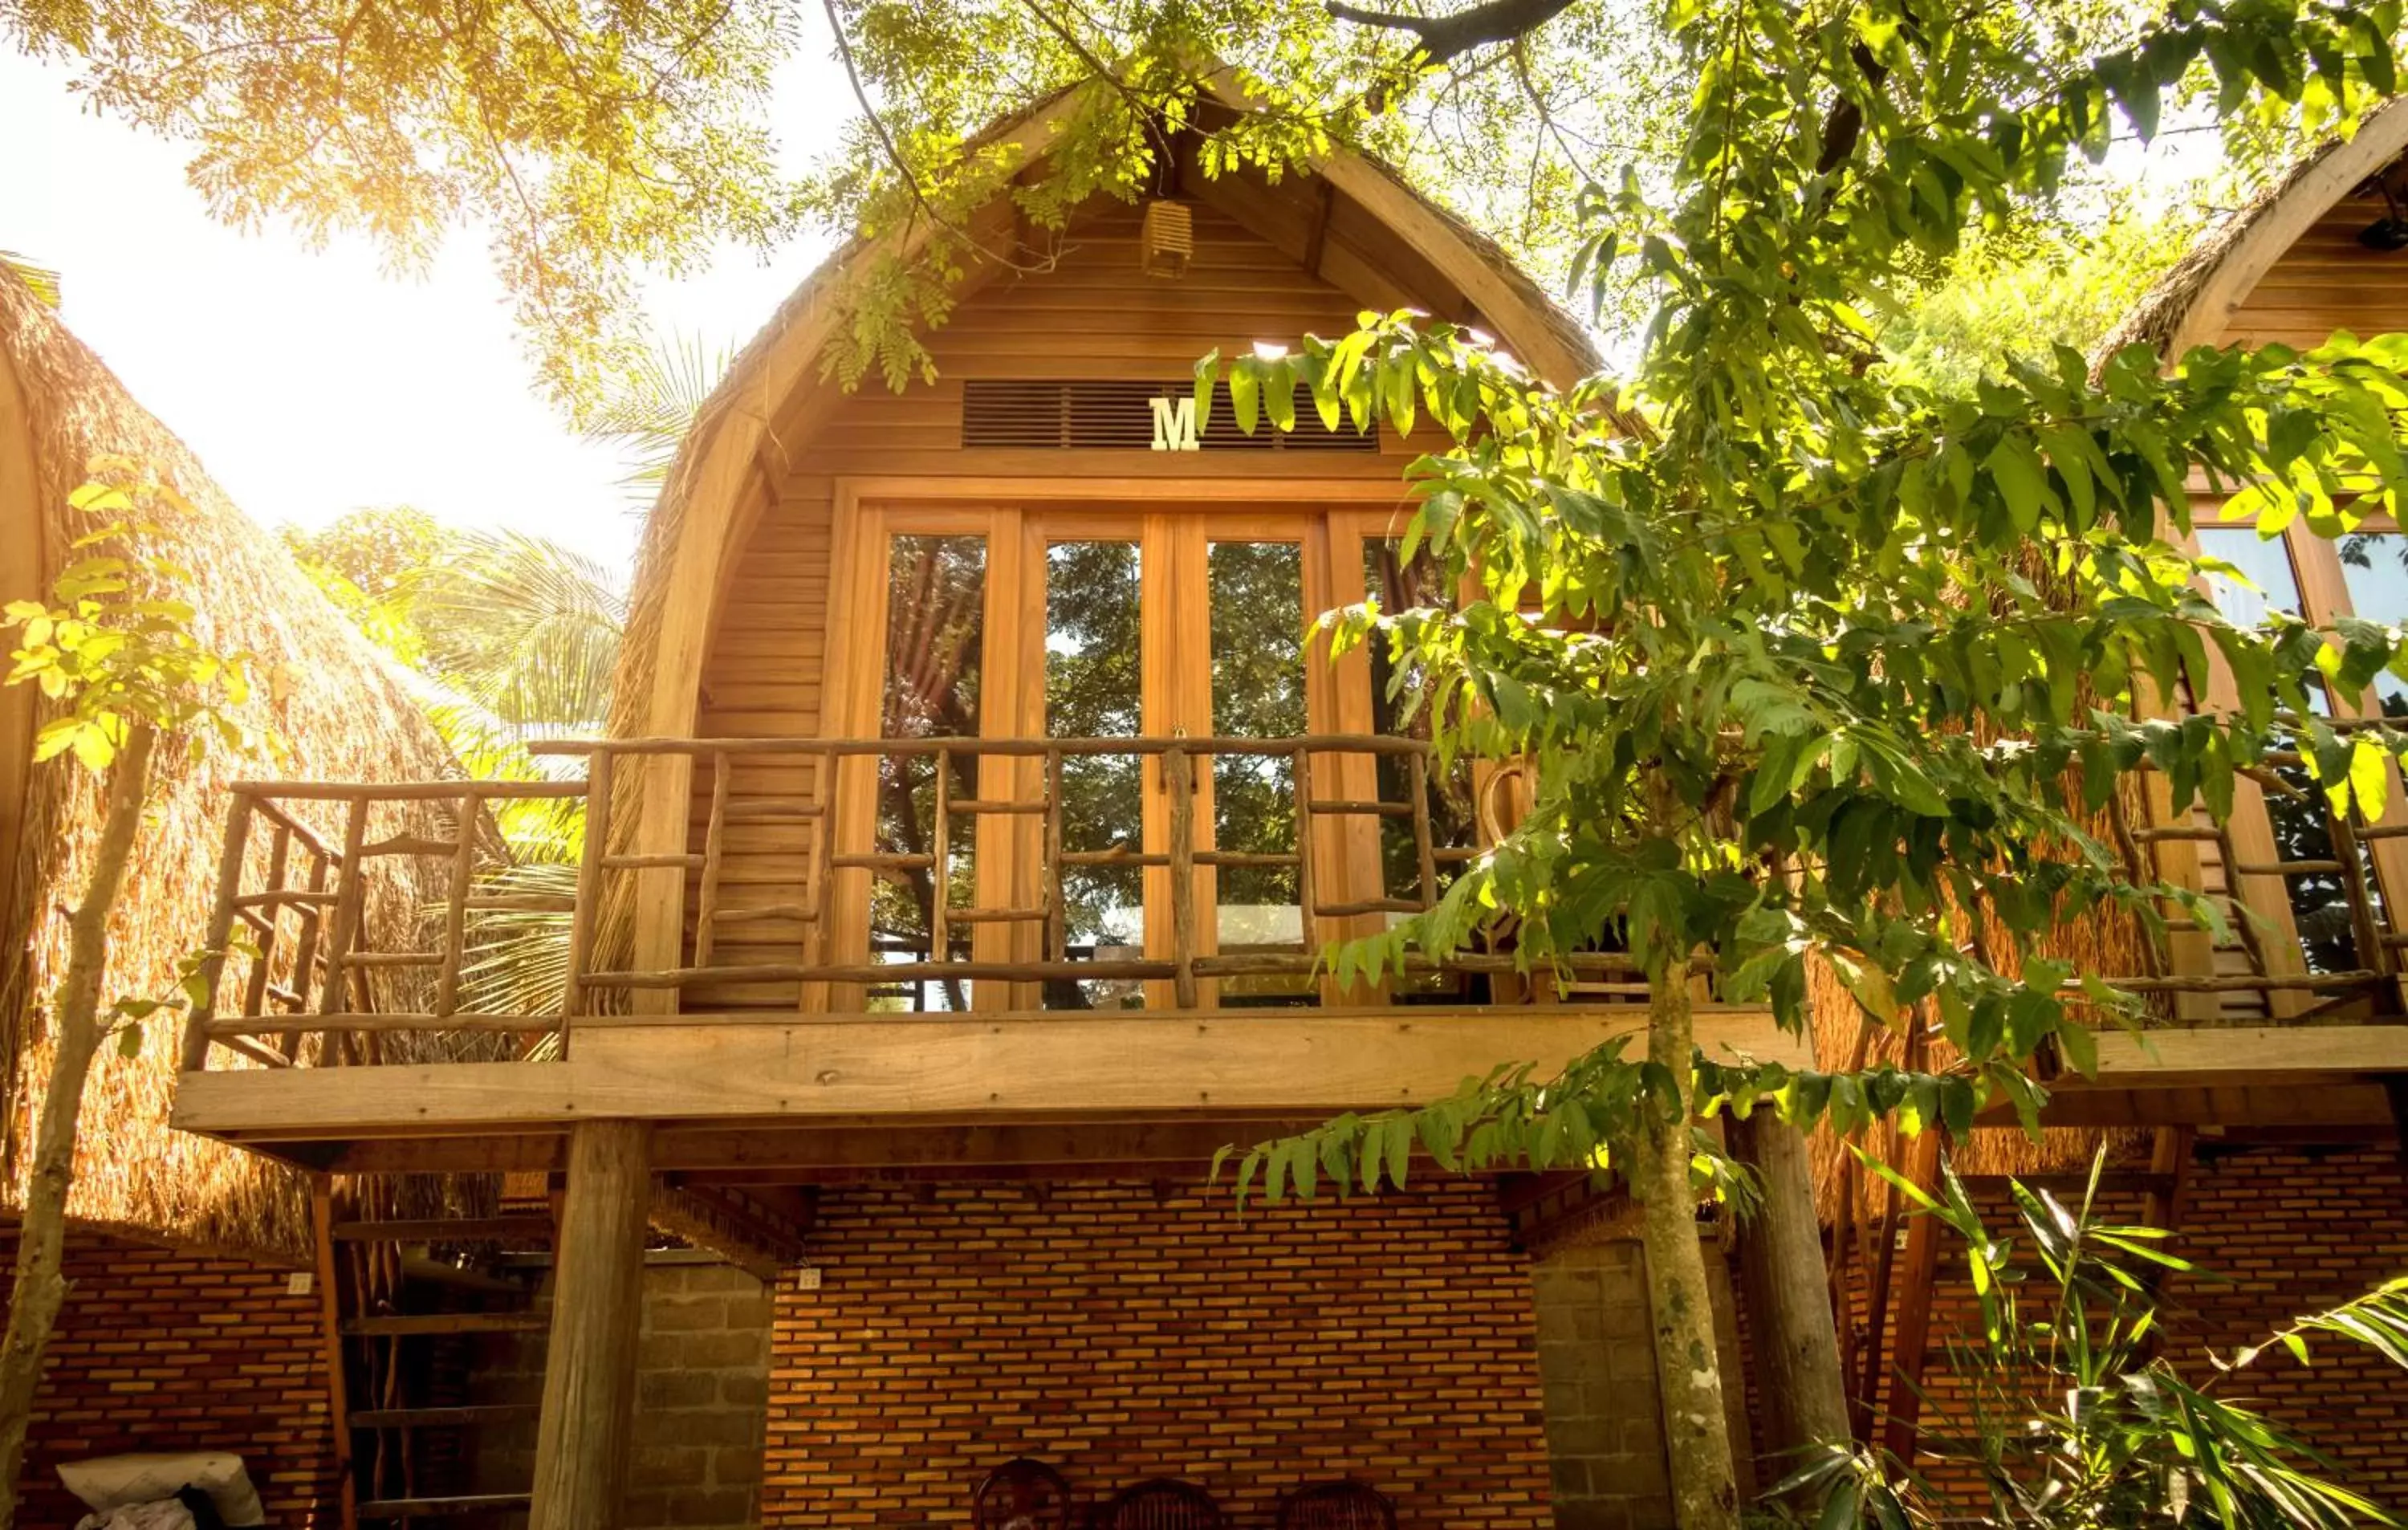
{"points": [[337, 708], [2193, 302]]}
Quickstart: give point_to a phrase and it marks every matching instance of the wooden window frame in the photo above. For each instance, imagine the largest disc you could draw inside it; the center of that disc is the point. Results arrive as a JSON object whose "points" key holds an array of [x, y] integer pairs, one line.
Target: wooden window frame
{"points": [[2316, 571]]}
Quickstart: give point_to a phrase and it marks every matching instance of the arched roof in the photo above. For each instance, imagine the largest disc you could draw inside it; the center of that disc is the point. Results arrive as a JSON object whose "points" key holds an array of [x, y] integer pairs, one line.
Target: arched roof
{"points": [[732, 452], [2194, 303]]}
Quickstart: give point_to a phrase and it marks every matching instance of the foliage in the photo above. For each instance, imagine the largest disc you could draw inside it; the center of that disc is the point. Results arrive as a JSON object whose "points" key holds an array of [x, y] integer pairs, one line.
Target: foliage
{"points": [[114, 647], [586, 139], [513, 639], [647, 408], [42, 280], [2069, 1409], [2023, 297], [520, 634], [1815, 663]]}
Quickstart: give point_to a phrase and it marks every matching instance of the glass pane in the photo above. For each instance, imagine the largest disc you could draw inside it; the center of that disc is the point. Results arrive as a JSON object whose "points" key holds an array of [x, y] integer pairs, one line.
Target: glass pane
{"points": [[1256, 596], [2375, 566], [2319, 906], [936, 626], [1401, 707], [1094, 689]]}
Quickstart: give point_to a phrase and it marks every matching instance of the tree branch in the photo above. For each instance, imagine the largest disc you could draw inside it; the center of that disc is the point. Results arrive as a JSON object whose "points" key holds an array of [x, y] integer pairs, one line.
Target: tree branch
{"points": [[1445, 37]]}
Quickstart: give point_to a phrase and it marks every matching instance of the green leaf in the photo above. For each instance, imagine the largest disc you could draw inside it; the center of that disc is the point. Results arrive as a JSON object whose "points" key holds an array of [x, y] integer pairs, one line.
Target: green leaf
{"points": [[2015, 467]]}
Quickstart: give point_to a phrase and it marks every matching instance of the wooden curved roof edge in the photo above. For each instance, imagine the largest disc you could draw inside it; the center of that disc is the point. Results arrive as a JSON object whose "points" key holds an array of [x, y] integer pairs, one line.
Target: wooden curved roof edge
{"points": [[691, 532], [2191, 305]]}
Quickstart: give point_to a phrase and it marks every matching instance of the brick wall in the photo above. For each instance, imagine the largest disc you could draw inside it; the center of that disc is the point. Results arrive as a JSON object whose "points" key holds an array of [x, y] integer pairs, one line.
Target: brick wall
{"points": [[1121, 1333], [2280, 1232], [163, 1350], [702, 1385]]}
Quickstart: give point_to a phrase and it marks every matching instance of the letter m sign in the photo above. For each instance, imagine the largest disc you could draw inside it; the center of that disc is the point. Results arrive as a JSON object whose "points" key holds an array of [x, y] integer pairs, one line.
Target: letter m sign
{"points": [[1174, 424]]}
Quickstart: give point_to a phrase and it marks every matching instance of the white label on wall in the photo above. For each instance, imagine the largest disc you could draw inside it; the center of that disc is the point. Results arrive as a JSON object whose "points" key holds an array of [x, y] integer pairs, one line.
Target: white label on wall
{"points": [[1174, 424], [300, 1283]]}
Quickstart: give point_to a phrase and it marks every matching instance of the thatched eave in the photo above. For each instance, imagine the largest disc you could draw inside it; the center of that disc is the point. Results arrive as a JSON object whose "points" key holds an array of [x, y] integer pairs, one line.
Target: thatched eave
{"points": [[334, 706]]}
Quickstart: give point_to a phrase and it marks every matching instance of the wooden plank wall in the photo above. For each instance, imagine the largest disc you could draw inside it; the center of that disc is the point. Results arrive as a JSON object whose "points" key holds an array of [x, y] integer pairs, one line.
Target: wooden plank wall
{"points": [[1094, 314], [2327, 281]]}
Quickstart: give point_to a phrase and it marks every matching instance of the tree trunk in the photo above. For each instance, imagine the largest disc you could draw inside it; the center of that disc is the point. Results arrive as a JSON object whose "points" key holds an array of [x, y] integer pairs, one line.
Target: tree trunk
{"points": [[39, 1290], [1789, 1296], [1705, 1488]]}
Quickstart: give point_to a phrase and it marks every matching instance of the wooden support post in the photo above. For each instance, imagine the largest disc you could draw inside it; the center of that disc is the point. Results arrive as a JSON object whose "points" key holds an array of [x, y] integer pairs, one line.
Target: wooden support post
{"points": [[330, 1315], [588, 1382], [589, 887], [456, 910], [1917, 1272], [1788, 1293]]}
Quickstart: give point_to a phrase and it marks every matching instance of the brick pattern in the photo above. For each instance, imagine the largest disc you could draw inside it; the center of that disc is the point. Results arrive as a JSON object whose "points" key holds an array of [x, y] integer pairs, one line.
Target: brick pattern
{"points": [[702, 1389], [1119, 1334], [2279, 1232], [1596, 1361], [164, 1350]]}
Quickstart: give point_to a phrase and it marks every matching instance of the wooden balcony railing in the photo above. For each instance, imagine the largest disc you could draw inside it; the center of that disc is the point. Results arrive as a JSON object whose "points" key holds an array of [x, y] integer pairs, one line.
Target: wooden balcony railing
{"points": [[311, 868]]}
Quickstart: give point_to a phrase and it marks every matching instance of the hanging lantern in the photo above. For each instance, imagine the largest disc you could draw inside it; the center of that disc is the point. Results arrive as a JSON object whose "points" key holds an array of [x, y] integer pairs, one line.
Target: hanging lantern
{"points": [[1167, 239]]}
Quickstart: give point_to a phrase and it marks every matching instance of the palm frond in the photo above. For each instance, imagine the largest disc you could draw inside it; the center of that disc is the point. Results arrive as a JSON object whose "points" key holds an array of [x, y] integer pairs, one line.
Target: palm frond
{"points": [[647, 410], [517, 960], [526, 629]]}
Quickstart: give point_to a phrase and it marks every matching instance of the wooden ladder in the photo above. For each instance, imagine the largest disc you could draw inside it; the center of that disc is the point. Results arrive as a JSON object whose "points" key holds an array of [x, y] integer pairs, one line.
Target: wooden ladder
{"points": [[404, 1440]]}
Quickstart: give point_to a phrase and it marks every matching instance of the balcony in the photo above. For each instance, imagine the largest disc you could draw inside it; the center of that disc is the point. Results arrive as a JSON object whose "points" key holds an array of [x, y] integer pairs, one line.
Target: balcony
{"points": [[886, 931], [790, 948]]}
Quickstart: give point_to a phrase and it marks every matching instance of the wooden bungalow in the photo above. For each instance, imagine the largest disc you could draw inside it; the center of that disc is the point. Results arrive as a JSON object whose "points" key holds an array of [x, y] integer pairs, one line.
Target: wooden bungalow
{"points": [[951, 875], [186, 1327]]}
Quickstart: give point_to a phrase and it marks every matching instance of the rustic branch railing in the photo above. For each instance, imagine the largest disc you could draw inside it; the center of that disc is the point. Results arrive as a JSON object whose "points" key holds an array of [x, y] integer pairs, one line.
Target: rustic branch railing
{"points": [[301, 860], [296, 977]]}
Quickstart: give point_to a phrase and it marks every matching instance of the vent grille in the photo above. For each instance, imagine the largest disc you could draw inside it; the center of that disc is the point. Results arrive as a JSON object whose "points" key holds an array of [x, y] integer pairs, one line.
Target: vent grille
{"points": [[1118, 416]]}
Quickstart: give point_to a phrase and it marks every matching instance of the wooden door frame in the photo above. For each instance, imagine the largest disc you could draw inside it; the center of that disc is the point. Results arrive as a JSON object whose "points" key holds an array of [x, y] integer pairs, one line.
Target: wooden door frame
{"points": [[870, 512]]}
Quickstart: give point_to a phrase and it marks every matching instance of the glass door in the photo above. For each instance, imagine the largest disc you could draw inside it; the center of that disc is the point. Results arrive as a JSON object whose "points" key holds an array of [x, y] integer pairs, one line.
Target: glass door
{"points": [[1099, 625]]}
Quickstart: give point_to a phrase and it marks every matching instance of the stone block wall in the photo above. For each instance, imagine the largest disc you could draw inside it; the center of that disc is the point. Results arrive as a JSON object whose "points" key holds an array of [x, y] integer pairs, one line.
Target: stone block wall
{"points": [[702, 1393], [1596, 1363]]}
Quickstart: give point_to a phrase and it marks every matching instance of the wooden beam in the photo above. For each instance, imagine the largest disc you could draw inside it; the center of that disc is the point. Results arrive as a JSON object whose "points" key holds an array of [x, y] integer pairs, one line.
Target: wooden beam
{"points": [[726, 1222], [2260, 1054], [835, 1154], [589, 1381], [330, 1318], [1003, 1066]]}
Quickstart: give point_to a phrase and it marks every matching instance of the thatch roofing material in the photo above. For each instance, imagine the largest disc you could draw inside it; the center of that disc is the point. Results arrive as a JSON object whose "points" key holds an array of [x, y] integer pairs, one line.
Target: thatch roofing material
{"points": [[337, 709], [2193, 303]]}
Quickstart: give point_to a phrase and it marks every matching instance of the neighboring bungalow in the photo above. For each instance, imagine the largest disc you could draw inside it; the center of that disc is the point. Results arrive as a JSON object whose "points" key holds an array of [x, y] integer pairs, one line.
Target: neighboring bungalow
{"points": [[952, 879], [2297, 1195], [185, 1326]]}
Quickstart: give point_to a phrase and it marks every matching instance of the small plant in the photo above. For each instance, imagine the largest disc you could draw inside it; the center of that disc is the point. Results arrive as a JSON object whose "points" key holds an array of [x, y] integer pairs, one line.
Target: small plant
{"points": [[2071, 1411], [114, 649]]}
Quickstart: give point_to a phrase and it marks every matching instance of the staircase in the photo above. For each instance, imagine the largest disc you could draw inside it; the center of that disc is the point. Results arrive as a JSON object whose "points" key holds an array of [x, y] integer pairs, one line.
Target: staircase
{"points": [[403, 1328]]}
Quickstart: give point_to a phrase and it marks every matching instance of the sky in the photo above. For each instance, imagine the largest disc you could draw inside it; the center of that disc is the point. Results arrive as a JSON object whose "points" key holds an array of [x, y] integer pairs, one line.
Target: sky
{"points": [[312, 382]]}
